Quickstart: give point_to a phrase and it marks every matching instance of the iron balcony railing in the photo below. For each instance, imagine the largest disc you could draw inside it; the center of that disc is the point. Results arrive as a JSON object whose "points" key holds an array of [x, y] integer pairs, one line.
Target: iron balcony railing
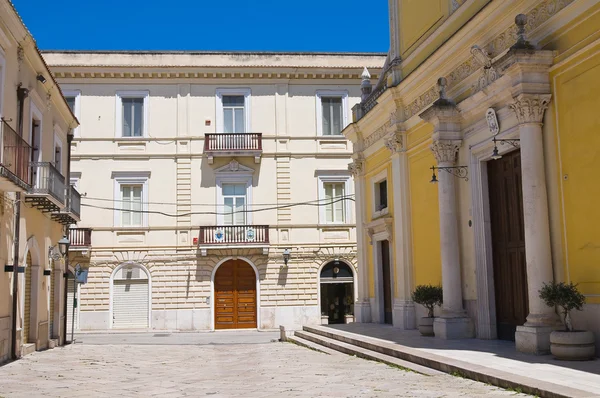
{"points": [[75, 202], [232, 142], [47, 181], [15, 154], [80, 237], [234, 235]]}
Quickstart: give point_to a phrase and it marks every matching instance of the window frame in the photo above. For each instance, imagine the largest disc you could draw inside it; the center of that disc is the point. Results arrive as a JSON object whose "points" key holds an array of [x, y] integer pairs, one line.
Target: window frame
{"points": [[220, 117], [130, 178], [334, 177], [375, 181], [77, 110], [343, 94], [145, 96], [58, 143], [241, 178]]}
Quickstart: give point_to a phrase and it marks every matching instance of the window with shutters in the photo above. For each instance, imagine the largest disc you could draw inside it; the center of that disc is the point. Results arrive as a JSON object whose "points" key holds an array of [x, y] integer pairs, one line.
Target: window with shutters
{"points": [[131, 198], [73, 98], [132, 114], [332, 112], [334, 191]]}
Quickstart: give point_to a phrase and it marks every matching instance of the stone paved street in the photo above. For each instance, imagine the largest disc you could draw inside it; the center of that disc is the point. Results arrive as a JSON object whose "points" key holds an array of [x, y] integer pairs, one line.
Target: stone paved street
{"points": [[217, 367]]}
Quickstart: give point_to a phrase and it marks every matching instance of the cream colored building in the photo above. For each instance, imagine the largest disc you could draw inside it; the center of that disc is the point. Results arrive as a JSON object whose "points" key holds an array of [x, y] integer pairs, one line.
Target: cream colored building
{"points": [[499, 101], [200, 170], [35, 123]]}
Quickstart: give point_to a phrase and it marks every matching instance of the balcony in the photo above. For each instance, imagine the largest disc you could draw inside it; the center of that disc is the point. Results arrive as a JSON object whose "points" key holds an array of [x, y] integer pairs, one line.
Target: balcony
{"points": [[47, 192], [15, 175], [234, 236], [81, 240], [70, 214], [233, 144]]}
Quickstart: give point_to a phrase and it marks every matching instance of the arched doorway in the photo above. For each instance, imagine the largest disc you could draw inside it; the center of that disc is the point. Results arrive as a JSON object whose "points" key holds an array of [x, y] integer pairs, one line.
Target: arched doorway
{"points": [[337, 291], [130, 301], [235, 296]]}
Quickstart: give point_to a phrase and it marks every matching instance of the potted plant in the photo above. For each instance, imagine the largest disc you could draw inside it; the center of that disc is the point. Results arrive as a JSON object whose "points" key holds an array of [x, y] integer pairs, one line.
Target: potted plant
{"points": [[568, 344], [428, 296]]}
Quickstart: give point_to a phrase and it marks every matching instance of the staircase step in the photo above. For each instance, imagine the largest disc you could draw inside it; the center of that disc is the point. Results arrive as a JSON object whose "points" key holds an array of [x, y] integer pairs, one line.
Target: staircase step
{"points": [[311, 345], [364, 353]]}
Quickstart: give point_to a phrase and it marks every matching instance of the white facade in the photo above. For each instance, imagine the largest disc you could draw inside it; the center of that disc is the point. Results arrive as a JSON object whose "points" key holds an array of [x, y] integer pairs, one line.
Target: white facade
{"points": [[266, 178]]}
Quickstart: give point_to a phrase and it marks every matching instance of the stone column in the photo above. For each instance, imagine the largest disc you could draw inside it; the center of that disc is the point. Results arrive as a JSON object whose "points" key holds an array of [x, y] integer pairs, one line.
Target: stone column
{"points": [[534, 336], [362, 304], [404, 309]]}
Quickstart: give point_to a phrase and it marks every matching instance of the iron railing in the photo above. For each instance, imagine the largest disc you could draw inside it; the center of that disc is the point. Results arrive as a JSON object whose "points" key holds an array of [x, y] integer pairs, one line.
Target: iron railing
{"points": [[47, 181], [75, 202], [15, 154], [80, 237], [234, 235], [231, 142]]}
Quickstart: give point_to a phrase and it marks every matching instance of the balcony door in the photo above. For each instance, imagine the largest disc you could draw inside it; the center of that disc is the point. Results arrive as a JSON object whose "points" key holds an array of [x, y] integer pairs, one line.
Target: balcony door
{"points": [[234, 203], [234, 114]]}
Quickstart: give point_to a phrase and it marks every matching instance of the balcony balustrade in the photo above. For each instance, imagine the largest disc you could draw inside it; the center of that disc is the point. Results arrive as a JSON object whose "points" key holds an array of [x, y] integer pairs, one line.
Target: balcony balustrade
{"points": [[15, 173], [47, 191], [71, 213], [233, 235], [80, 238], [233, 144]]}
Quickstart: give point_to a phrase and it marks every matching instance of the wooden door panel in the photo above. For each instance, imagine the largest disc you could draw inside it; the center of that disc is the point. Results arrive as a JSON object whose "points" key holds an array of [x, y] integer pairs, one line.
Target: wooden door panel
{"points": [[508, 243], [235, 296]]}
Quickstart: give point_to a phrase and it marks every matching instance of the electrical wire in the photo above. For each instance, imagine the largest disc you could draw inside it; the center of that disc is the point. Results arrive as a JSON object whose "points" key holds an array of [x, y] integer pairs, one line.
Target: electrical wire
{"points": [[213, 213]]}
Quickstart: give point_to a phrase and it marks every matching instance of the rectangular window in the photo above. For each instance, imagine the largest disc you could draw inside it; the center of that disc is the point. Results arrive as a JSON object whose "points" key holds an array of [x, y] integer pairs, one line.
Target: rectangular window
{"points": [[335, 207], [58, 158], [332, 115], [71, 103], [133, 117], [381, 195], [233, 114], [131, 196], [234, 203]]}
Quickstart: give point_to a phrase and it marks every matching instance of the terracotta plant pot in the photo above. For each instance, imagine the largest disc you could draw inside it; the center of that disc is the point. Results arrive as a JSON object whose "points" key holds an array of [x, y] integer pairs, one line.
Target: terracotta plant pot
{"points": [[426, 326], [572, 346]]}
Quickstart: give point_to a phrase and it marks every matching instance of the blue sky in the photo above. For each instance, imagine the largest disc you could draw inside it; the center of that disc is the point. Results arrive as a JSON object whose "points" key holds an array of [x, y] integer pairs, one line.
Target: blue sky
{"points": [[259, 25]]}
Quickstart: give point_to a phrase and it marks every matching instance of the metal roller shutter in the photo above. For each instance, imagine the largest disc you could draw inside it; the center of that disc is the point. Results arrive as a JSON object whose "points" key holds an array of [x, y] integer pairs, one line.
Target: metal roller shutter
{"points": [[51, 320], [70, 291], [130, 303], [27, 311]]}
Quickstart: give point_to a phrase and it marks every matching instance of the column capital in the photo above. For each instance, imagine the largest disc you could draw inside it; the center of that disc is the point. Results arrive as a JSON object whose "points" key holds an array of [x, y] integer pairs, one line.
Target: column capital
{"points": [[357, 167], [445, 151], [395, 143], [530, 108]]}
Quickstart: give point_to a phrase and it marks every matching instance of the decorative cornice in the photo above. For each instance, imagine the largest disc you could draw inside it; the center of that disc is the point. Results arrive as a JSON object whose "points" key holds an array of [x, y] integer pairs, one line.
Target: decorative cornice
{"points": [[530, 108], [445, 151], [377, 135]]}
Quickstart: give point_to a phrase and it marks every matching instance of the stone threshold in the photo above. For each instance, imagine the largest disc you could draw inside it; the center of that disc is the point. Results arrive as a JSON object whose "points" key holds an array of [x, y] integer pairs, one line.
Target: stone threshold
{"points": [[325, 335]]}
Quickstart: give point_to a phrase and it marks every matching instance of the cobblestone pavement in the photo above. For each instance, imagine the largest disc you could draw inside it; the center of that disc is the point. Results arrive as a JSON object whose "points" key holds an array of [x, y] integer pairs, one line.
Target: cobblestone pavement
{"points": [[235, 370]]}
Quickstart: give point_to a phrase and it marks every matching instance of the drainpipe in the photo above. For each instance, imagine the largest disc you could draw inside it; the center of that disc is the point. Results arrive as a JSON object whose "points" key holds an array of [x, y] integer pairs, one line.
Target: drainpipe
{"points": [[67, 234], [22, 93]]}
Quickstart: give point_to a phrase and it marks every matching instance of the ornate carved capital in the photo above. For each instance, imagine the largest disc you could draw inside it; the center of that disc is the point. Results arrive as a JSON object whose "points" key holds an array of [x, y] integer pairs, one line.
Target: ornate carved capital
{"points": [[445, 151], [395, 142], [530, 108], [356, 167]]}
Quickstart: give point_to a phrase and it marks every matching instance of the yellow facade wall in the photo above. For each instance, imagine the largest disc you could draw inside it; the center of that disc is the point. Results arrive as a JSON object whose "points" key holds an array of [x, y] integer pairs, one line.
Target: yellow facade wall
{"points": [[424, 208], [576, 86]]}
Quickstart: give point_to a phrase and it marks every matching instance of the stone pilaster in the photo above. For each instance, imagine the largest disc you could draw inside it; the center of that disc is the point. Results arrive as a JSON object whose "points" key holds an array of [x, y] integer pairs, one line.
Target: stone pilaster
{"points": [[362, 306], [534, 336]]}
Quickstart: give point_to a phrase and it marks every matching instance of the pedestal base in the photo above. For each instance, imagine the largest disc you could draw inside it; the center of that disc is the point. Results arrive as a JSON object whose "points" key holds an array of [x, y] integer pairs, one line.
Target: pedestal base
{"points": [[362, 312], [454, 328], [533, 339], [404, 315]]}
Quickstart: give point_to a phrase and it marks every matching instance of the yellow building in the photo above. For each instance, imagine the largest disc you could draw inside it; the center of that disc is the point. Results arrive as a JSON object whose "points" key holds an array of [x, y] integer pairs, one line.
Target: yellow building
{"points": [[502, 98], [36, 200]]}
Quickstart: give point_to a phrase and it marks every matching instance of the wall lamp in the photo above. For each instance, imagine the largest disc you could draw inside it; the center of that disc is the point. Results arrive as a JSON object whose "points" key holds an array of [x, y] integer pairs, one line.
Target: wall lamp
{"points": [[457, 171], [286, 256], [514, 142], [40, 78]]}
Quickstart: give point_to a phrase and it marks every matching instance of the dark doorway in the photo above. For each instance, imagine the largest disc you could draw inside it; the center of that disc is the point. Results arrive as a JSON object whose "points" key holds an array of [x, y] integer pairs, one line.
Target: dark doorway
{"points": [[508, 244], [386, 276], [337, 292]]}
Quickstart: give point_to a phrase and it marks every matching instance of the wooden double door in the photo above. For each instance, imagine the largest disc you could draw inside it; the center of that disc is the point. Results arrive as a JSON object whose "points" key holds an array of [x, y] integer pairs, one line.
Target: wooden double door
{"points": [[235, 296], [508, 244]]}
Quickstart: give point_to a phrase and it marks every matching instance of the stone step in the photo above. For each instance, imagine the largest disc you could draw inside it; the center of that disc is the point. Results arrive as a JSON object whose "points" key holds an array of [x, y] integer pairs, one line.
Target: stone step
{"points": [[477, 372], [27, 349], [350, 349], [311, 345]]}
